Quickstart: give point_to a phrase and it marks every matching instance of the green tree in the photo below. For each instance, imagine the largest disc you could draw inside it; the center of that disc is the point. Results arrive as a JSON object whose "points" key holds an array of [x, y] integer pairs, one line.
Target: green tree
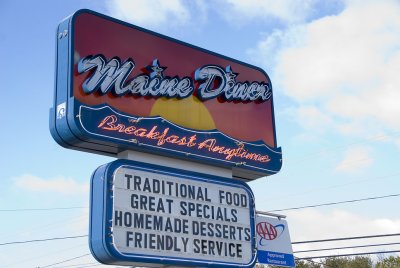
{"points": [[390, 262], [307, 264], [346, 262]]}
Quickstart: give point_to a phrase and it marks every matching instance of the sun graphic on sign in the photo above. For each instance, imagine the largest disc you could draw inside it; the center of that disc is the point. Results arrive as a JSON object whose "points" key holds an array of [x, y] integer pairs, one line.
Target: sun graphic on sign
{"points": [[189, 112]]}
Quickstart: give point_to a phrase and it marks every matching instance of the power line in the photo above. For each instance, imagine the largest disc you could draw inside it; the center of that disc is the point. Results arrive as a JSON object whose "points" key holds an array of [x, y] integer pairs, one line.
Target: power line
{"points": [[275, 210], [86, 264], [46, 227], [336, 203], [337, 186], [42, 240], [17, 262], [64, 261], [83, 266], [345, 146], [350, 254], [38, 209], [345, 238], [293, 243], [361, 246]]}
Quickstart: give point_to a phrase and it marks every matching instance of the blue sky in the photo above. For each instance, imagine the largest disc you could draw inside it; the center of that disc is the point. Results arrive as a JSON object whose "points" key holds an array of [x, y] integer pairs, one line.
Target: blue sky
{"points": [[334, 67]]}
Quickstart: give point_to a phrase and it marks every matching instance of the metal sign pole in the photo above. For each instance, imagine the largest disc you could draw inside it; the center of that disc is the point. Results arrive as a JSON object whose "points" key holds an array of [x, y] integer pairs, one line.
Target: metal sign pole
{"points": [[266, 213]]}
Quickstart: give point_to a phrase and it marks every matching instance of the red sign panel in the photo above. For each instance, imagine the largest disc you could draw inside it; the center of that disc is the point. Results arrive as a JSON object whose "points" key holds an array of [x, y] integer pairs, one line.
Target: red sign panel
{"points": [[129, 88]]}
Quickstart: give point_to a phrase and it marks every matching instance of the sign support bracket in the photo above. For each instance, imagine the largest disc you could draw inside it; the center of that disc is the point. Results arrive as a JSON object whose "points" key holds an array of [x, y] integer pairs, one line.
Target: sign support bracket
{"points": [[266, 213], [175, 163]]}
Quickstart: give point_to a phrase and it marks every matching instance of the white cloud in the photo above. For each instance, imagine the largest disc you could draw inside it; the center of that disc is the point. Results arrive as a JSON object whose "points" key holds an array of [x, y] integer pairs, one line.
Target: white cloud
{"points": [[150, 13], [268, 50], [345, 52], [347, 63], [311, 224], [356, 159], [181, 12], [285, 10], [58, 185], [313, 118]]}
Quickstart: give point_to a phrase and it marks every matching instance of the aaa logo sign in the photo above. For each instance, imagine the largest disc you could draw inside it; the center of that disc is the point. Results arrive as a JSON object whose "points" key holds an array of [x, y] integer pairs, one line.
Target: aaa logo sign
{"points": [[273, 242], [267, 231]]}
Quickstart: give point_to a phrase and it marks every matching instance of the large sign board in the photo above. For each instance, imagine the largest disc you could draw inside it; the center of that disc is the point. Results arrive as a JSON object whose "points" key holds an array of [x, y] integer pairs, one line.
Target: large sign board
{"points": [[147, 215], [274, 246], [120, 87]]}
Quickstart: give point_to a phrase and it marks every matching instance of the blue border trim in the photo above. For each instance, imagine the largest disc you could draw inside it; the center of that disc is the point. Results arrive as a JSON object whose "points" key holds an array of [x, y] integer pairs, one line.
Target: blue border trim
{"points": [[101, 212], [257, 147]]}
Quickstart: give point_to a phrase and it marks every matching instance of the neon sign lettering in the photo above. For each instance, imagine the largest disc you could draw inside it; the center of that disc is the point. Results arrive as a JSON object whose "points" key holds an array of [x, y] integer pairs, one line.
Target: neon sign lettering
{"points": [[110, 123], [113, 74], [214, 81], [228, 87]]}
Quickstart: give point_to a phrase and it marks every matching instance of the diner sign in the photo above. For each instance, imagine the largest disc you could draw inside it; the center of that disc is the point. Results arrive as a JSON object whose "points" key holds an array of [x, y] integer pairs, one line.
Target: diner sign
{"points": [[120, 87], [143, 214]]}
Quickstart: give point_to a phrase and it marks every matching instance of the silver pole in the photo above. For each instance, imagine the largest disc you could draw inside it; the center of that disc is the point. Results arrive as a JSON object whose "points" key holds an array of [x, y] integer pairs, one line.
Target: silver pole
{"points": [[279, 216]]}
